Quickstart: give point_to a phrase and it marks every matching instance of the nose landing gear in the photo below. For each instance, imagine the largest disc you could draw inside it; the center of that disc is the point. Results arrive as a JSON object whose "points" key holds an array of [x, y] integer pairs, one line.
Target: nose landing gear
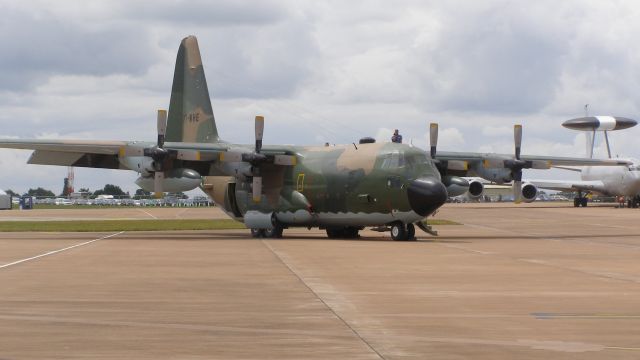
{"points": [[402, 232]]}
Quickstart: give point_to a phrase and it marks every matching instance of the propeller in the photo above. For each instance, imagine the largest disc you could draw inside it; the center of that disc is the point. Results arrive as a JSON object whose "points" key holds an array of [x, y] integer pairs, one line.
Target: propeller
{"points": [[159, 154], [257, 179], [433, 137], [516, 170]]}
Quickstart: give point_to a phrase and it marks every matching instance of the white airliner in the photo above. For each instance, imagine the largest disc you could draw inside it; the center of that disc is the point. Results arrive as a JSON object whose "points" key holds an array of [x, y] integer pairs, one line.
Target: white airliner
{"points": [[623, 180], [611, 181]]}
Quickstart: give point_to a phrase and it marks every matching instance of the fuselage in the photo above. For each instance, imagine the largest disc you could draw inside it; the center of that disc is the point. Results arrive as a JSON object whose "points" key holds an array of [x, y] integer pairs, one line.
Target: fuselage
{"points": [[617, 180], [364, 184]]}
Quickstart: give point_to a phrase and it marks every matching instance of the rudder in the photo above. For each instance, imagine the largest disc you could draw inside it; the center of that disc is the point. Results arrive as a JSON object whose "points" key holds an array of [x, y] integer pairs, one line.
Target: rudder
{"points": [[190, 116]]}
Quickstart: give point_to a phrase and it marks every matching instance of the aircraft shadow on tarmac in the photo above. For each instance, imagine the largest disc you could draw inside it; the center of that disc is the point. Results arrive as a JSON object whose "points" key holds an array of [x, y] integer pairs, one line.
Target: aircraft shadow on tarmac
{"points": [[223, 236]]}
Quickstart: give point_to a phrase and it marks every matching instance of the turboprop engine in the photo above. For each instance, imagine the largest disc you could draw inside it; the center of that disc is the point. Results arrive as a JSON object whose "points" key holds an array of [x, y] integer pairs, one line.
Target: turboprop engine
{"points": [[529, 192], [455, 185], [175, 180], [476, 189]]}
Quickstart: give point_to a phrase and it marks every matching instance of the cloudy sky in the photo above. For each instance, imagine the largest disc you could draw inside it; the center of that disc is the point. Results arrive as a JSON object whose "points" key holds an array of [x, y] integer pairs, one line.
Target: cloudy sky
{"points": [[319, 71]]}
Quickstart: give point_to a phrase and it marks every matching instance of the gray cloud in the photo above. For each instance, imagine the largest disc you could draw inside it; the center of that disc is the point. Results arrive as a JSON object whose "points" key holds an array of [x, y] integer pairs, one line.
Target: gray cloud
{"points": [[219, 13], [38, 45]]}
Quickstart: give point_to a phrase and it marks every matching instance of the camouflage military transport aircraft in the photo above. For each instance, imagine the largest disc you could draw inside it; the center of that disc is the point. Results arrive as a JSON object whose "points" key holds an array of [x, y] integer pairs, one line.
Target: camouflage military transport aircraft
{"points": [[338, 188]]}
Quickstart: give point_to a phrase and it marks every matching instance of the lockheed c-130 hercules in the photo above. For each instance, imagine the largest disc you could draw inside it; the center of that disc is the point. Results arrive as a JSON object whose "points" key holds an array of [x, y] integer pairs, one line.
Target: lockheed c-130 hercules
{"points": [[338, 188]]}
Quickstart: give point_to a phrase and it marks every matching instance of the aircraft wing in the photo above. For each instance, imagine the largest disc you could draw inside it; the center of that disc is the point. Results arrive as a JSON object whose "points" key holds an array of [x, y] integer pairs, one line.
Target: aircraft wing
{"points": [[462, 160], [82, 153], [105, 154], [570, 185]]}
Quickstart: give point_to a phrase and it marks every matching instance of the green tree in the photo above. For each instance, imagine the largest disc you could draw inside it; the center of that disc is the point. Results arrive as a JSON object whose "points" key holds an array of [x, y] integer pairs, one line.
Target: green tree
{"points": [[12, 193], [40, 192], [141, 194]]}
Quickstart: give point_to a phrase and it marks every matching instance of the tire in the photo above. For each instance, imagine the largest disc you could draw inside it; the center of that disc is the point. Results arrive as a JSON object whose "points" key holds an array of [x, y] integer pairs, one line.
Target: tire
{"points": [[347, 232], [350, 232], [576, 202], [583, 202], [411, 232], [334, 233], [274, 233], [398, 232], [257, 233]]}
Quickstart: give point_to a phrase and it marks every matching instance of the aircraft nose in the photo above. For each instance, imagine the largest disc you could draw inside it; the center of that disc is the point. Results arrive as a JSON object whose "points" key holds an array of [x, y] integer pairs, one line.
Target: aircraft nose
{"points": [[426, 195]]}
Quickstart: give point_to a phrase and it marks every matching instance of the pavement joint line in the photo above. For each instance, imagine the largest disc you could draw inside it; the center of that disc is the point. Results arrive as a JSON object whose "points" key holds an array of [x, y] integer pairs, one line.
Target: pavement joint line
{"points": [[148, 213], [59, 250], [275, 253]]}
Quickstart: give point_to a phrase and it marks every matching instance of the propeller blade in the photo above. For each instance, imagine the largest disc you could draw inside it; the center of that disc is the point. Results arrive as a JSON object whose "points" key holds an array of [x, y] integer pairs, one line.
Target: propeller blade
{"points": [[433, 137], [162, 127], [259, 132], [285, 160], [517, 191], [157, 183], [257, 189], [517, 138]]}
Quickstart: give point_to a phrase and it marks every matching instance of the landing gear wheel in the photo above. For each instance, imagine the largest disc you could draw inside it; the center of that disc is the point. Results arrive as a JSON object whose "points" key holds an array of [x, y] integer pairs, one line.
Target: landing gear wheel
{"points": [[334, 233], [275, 232], [411, 232], [350, 232], [257, 233], [583, 202], [399, 231], [576, 202]]}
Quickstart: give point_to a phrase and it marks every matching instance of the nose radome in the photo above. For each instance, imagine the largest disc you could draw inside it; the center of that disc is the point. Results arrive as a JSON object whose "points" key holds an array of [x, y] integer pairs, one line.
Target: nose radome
{"points": [[426, 195]]}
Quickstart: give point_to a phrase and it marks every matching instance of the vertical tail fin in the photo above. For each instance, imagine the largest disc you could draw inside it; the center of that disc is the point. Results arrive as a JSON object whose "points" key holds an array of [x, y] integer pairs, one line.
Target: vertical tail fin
{"points": [[190, 114]]}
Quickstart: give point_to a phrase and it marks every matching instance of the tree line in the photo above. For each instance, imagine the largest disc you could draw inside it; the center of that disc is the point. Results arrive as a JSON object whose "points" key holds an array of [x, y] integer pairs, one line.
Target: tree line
{"points": [[108, 189]]}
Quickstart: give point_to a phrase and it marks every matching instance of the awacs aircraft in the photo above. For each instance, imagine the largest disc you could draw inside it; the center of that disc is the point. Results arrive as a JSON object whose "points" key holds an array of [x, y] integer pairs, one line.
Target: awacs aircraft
{"points": [[502, 168], [613, 181], [339, 188]]}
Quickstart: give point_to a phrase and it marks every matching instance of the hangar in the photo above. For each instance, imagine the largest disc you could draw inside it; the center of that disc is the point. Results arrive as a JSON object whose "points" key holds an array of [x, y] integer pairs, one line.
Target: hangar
{"points": [[5, 201]]}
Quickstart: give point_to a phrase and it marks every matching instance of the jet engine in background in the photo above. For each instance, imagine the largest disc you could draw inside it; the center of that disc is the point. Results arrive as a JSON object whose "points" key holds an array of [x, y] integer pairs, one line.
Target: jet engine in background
{"points": [[477, 187]]}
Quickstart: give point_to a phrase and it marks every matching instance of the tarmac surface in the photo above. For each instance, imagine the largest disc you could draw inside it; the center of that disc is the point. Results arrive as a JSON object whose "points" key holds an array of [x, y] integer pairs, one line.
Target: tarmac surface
{"points": [[538, 281]]}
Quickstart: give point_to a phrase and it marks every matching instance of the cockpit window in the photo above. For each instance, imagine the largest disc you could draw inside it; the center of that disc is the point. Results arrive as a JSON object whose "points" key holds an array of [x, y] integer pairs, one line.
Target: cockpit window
{"points": [[634, 168], [393, 160]]}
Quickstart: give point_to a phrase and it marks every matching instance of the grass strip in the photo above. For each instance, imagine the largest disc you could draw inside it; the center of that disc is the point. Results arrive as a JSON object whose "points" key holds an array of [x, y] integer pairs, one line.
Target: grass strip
{"points": [[118, 225], [442, 222], [136, 225]]}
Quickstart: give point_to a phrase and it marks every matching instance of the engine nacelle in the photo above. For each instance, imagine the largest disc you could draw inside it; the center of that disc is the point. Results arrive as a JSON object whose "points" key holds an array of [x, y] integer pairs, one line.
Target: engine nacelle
{"points": [[476, 189], [529, 192], [257, 220], [455, 185], [140, 164], [175, 180], [493, 174]]}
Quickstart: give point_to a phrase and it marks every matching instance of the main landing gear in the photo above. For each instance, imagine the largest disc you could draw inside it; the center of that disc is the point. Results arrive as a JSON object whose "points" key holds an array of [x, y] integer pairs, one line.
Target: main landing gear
{"points": [[633, 202], [273, 233], [402, 232], [346, 232], [580, 200]]}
